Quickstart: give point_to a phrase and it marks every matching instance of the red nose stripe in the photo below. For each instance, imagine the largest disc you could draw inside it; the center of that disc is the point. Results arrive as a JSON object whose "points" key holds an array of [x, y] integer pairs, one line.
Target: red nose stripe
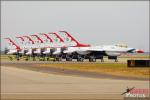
{"points": [[140, 51]]}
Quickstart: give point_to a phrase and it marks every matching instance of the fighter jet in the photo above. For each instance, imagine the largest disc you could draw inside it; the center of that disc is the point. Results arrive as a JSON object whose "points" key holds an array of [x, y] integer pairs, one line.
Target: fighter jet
{"points": [[12, 47], [63, 44], [82, 51]]}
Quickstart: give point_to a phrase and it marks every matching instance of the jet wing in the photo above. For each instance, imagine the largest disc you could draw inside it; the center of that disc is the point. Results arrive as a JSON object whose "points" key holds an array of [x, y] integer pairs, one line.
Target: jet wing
{"points": [[90, 49]]}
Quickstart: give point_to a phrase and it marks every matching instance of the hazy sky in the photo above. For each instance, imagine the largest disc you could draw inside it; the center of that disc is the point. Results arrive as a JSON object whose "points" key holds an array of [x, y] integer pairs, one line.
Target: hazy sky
{"points": [[92, 22]]}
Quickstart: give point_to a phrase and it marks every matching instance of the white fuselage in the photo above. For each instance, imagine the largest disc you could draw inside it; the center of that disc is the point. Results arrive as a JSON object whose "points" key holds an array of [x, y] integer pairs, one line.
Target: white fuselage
{"points": [[111, 50]]}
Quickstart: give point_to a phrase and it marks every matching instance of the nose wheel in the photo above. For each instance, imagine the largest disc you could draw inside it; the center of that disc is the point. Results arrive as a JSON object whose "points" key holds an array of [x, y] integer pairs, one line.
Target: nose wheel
{"points": [[68, 58], [80, 58]]}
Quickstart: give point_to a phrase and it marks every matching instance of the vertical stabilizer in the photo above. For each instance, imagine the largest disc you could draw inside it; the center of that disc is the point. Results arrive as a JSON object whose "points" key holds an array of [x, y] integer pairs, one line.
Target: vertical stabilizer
{"points": [[58, 40], [13, 43], [61, 40], [38, 38], [29, 39], [74, 43], [21, 38], [48, 37]]}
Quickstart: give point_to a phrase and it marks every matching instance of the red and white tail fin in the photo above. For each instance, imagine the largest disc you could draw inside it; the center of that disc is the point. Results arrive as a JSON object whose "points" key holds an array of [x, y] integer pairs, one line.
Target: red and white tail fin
{"points": [[21, 38], [48, 37], [29, 39], [69, 38], [61, 40], [38, 38], [13, 43]]}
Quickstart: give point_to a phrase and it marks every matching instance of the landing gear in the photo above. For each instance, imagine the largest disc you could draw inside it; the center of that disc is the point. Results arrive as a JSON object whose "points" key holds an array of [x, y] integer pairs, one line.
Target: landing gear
{"points": [[92, 59], [34, 59], [17, 56], [101, 58], [58, 58], [27, 58], [113, 57], [116, 60], [80, 58], [47, 57], [69, 57]]}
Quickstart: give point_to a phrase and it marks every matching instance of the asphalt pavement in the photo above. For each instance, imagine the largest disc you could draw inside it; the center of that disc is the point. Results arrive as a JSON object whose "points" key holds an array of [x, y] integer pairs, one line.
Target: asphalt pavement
{"points": [[19, 83]]}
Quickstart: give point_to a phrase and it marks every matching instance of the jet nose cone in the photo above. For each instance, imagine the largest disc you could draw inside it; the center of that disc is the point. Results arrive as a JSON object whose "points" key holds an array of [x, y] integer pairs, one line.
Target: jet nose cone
{"points": [[139, 51]]}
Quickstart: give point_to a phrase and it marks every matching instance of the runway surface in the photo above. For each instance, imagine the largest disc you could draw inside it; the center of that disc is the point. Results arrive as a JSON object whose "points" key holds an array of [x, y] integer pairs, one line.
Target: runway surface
{"points": [[19, 83]]}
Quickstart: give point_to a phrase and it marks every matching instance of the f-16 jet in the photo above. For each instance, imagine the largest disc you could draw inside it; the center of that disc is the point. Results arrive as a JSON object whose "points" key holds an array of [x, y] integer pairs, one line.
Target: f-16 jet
{"points": [[63, 45], [81, 51]]}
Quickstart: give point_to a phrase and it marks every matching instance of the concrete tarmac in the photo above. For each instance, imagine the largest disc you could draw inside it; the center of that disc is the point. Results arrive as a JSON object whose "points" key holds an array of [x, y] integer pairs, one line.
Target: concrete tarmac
{"points": [[19, 83]]}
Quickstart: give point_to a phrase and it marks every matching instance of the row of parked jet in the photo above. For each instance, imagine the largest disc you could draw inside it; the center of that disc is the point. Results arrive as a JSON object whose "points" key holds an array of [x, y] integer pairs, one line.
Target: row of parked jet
{"points": [[62, 45]]}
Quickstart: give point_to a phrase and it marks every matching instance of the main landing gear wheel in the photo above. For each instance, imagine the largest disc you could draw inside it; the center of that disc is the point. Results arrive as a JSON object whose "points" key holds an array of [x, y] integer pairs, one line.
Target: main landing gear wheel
{"points": [[58, 59], [116, 60], [92, 59], [69, 59], [102, 60], [80, 59]]}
